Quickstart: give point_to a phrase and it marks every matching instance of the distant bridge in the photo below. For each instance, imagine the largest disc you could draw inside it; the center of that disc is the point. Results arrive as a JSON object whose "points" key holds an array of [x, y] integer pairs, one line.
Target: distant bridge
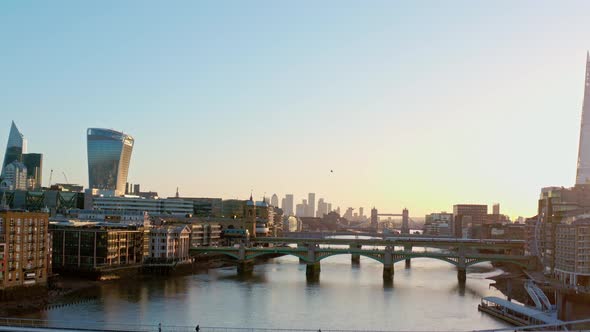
{"points": [[309, 252]]}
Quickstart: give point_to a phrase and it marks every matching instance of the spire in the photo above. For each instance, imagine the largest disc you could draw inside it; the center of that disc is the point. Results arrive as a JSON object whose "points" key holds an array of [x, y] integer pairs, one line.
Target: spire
{"points": [[177, 195]]}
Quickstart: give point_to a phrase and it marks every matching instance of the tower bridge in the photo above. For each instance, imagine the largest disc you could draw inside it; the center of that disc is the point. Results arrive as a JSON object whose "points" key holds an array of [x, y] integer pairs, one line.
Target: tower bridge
{"points": [[310, 252]]}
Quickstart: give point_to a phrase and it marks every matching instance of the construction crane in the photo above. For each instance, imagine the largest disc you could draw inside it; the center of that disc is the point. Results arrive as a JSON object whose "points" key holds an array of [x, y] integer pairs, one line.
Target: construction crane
{"points": [[64, 173]]}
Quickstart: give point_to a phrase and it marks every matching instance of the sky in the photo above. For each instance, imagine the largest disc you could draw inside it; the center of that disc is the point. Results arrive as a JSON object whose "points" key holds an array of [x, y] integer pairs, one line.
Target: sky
{"points": [[416, 104]]}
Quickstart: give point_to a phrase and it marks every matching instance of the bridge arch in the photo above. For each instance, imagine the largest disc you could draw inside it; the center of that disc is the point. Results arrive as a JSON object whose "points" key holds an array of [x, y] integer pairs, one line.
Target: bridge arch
{"points": [[444, 259], [368, 255], [230, 254], [289, 253]]}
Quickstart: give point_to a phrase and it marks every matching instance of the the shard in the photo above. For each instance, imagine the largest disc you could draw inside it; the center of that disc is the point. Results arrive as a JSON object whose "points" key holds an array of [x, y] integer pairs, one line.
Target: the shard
{"points": [[583, 174], [17, 145]]}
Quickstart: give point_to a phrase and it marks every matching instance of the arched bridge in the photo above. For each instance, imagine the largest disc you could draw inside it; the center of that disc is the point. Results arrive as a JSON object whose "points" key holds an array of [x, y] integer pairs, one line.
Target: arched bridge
{"points": [[312, 254]]}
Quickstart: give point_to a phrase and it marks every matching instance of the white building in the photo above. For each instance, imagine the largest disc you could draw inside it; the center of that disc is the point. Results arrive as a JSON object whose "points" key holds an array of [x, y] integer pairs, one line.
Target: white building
{"points": [[123, 217], [155, 207], [169, 243]]}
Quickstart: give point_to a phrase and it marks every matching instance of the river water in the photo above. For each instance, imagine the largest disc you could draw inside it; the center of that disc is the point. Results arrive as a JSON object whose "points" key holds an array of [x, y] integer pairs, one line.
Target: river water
{"points": [[426, 296]]}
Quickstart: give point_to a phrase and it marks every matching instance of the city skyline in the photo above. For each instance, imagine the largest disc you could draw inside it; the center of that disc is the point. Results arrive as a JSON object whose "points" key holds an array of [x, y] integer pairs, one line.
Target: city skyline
{"points": [[435, 124]]}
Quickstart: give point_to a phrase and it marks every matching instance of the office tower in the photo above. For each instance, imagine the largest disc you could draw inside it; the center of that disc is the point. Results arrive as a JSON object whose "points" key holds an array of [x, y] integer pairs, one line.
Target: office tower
{"points": [[15, 147], [300, 210], [467, 216], [288, 206], [329, 207], [322, 208], [361, 213], [496, 209], [274, 200], [15, 176], [311, 204], [583, 172], [34, 164], [109, 155]]}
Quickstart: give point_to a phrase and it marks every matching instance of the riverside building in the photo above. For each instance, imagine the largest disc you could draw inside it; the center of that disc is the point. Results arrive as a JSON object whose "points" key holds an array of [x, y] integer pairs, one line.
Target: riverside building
{"points": [[572, 261], [27, 253], [168, 244], [94, 247]]}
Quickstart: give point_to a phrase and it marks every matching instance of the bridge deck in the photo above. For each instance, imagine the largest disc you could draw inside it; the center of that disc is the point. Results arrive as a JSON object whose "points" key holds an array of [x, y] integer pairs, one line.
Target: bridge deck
{"points": [[400, 241]]}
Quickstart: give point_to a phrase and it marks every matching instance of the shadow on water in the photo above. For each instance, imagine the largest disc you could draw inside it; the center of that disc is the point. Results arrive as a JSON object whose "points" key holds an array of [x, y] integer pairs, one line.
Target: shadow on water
{"points": [[462, 288], [256, 278]]}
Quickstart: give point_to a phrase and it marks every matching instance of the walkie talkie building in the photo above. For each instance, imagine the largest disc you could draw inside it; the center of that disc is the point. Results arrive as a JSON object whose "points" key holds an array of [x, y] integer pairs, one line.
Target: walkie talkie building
{"points": [[109, 155]]}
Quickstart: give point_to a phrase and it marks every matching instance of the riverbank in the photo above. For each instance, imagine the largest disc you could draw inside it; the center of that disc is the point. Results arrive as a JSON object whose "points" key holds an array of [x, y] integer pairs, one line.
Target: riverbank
{"points": [[65, 290]]}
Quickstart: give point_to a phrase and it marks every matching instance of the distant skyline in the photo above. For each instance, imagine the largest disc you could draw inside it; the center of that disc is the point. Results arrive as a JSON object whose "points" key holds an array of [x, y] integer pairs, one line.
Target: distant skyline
{"points": [[411, 104]]}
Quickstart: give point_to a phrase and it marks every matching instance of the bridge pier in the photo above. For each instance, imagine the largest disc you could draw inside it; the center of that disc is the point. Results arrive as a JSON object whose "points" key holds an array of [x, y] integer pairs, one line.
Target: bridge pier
{"points": [[313, 270], [355, 259], [388, 272], [245, 267], [461, 274], [408, 260], [461, 267]]}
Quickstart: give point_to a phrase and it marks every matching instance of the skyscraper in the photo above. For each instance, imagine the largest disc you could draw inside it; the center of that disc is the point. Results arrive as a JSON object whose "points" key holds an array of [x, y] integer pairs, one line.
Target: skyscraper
{"points": [[109, 155], [34, 164], [311, 204], [288, 205], [583, 173], [274, 200], [16, 146]]}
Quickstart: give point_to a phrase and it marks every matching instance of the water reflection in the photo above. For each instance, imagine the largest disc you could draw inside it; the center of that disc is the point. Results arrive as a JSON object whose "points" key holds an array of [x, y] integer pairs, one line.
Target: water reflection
{"points": [[278, 294]]}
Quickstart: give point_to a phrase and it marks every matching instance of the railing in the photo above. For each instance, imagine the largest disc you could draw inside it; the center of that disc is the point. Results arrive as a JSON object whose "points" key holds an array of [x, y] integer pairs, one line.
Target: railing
{"points": [[108, 326]]}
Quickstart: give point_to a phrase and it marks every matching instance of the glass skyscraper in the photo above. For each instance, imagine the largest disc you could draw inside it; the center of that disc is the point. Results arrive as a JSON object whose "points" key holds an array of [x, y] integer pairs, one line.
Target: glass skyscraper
{"points": [[109, 155], [15, 148], [34, 164], [583, 173]]}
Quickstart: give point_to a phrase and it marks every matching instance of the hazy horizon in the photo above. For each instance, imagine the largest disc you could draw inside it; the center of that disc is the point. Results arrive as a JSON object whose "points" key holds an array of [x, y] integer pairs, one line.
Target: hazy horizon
{"points": [[411, 104]]}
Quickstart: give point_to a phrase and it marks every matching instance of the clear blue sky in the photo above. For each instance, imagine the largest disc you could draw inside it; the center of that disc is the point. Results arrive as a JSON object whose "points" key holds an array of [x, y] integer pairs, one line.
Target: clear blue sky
{"points": [[418, 104]]}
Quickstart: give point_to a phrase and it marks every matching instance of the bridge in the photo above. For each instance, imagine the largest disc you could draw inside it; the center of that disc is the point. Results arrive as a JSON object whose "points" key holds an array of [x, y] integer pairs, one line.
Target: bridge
{"points": [[309, 251]]}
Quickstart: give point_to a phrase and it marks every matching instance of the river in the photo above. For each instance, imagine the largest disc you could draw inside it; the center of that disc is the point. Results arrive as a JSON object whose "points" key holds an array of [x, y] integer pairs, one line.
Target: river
{"points": [[426, 296]]}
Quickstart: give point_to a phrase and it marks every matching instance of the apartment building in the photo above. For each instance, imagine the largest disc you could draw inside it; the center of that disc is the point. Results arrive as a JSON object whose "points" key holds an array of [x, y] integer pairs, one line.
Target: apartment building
{"points": [[25, 248]]}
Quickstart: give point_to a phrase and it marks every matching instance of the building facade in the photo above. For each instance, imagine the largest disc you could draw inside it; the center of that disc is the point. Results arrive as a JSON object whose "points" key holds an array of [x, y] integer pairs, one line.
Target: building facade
{"points": [[15, 176], [114, 217], [168, 244], [572, 253], [89, 246], [162, 206], [27, 250], [109, 156], [34, 165], [467, 216], [439, 224], [205, 234]]}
